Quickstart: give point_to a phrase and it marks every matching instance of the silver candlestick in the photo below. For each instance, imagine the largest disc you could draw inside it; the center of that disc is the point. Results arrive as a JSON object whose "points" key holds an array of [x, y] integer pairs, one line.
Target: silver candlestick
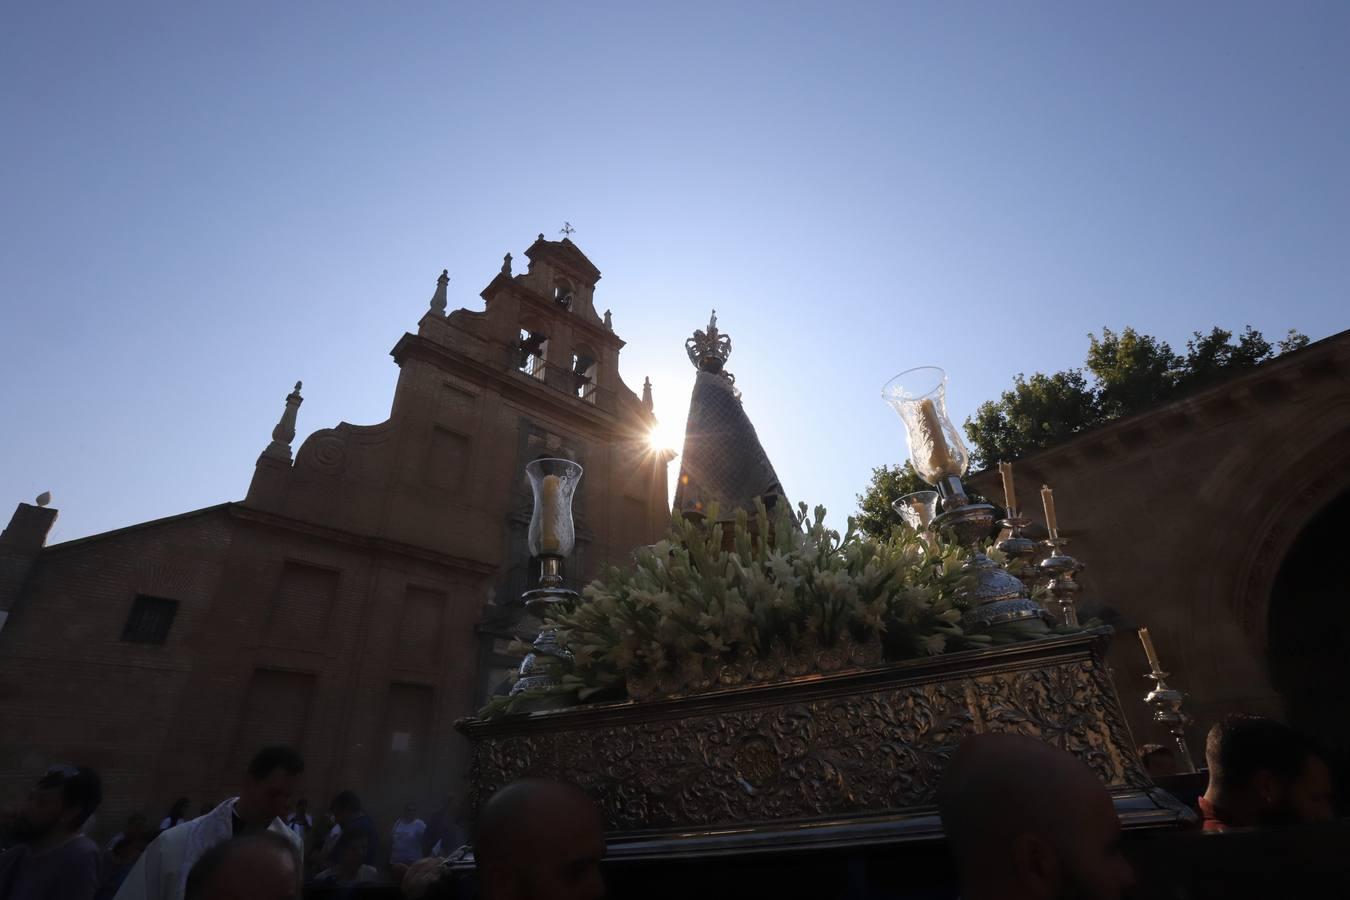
{"points": [[1061, 587], [1021, 551], [1167, 702], [550, 594], [997, 597]]}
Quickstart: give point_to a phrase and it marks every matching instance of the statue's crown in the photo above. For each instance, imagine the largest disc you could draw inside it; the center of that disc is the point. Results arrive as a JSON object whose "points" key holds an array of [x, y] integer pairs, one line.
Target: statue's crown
{"points": [[708, 350]]}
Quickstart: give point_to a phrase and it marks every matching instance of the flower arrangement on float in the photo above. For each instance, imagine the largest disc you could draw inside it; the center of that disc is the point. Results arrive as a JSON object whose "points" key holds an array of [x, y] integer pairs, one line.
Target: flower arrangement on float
{"points": [[780, 596], [698, 611]]}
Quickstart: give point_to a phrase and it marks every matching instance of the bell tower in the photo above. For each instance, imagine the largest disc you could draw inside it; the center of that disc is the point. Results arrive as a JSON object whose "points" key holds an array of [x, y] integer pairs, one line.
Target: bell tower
{"points": [[547, 319], [535, 374]]}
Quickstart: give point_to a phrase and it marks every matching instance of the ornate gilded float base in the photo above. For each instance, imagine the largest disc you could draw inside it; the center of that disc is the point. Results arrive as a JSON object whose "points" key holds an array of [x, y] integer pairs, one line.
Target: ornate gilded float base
{"points": [[850, 758]]}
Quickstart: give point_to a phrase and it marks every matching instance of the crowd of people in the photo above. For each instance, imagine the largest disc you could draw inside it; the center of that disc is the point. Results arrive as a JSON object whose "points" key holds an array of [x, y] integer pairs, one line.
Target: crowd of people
{"points": [[47, 854], [1022, 819]]}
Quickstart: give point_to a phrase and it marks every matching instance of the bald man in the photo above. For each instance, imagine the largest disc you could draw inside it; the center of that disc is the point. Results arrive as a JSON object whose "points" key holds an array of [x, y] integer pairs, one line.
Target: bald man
{"points": [[255, 867], [540, 840], [1025, 820]]}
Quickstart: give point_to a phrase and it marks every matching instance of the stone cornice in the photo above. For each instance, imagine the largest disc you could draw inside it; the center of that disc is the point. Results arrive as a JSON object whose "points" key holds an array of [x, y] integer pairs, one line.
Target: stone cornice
{"points": [[365, 542], [513, 385], [138, 526], [236, 510]]}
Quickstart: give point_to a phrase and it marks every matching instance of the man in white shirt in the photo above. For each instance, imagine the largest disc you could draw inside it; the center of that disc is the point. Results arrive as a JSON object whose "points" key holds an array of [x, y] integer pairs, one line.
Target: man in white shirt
{"points": [[405, 841], [273, 775]]}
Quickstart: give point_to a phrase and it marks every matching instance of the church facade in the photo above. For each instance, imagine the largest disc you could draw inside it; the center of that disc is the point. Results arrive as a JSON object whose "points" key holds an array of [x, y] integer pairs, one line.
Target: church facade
{"points": [[363, 594]]}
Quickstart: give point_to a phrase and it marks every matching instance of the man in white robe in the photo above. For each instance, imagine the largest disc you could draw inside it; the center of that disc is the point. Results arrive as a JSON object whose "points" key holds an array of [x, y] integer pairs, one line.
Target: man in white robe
{"points": [[162, 871]]}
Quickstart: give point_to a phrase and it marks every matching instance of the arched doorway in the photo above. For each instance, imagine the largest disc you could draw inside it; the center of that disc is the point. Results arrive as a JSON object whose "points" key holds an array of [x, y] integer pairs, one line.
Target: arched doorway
{"points": [[1309, 636]]}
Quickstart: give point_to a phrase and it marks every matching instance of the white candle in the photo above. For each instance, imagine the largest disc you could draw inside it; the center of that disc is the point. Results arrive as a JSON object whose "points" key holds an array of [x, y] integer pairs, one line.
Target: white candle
{"points": [[1009, 494], [1149, 651], [1048, 501], [933, 456], [550, 507]]}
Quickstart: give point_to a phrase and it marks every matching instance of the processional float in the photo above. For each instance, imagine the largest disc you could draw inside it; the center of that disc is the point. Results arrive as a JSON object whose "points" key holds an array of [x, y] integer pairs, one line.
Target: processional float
{"points": [[733, 737]]}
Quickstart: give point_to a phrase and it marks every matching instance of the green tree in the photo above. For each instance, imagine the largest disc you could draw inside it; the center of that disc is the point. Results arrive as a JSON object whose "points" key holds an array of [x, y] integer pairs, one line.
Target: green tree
{"points": [[889, 483], [1037, 412], [1292, 341], [1130, 372]]}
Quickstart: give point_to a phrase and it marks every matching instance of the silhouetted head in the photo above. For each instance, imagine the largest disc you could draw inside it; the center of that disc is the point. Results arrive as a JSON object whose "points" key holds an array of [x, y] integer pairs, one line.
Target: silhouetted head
{"points": [[352, 852], [540, 840], [179, 810], [1024, 819], [1262, 772], [270, 783], [129, 848], [254, 867], [346, 806], [60, 802]]}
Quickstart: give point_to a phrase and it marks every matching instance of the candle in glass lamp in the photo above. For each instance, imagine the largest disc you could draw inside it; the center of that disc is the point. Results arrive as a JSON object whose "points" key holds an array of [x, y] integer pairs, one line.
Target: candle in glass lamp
{"points": [[931, 442], [550, 507], [1149, 650], [1048, 501], [1009, 493]]}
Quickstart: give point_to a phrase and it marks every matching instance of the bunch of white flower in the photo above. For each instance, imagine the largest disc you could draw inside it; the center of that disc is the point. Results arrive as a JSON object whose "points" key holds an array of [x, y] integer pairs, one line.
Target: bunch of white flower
{"points": [[704, 597]]}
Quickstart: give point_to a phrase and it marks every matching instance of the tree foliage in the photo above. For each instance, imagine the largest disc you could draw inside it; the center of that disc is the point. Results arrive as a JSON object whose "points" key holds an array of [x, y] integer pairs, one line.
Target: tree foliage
{"points": [[889, 483], [1038, 411], [1125, 373]]}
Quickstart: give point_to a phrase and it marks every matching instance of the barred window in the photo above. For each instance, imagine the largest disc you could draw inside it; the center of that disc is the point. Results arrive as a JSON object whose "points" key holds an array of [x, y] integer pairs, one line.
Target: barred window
{"points": [[150, 620]]}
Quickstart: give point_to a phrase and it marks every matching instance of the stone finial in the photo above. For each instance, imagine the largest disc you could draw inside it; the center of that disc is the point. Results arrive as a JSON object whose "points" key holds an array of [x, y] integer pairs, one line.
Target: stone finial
{"points": [[647, 393], [284, 433], [438, 301], [506, 264], [541, 235], [609, 320], [44, 498]]}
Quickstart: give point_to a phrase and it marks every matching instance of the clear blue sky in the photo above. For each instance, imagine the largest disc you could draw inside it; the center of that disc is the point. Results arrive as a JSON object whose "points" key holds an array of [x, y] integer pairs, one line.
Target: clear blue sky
{"points": [[201, 205]]}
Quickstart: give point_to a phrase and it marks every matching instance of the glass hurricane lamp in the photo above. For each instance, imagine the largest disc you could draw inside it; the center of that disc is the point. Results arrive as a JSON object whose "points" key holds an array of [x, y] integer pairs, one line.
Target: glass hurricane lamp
{"points": [[554, 482], [936, 450], [917, 509]]}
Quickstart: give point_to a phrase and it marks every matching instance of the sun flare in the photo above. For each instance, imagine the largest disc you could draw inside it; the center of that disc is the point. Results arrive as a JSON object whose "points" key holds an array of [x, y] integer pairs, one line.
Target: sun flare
{"points": [[665, 436]]}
